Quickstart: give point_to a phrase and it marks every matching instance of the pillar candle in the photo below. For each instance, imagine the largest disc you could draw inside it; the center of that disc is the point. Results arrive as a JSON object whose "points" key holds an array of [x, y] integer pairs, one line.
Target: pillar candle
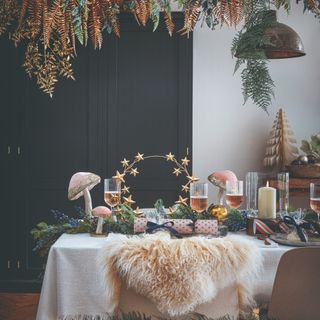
{"points": [[267, 202]]}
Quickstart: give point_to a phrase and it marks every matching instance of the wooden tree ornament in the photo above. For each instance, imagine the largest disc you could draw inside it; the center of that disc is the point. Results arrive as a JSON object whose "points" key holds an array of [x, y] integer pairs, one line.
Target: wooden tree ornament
{"points": [[281, 149]]}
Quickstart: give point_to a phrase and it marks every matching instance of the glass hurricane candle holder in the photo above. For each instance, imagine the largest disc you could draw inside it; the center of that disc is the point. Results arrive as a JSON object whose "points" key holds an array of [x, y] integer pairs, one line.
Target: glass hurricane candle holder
{"points": [[283, 192], [252, 182], [315, 198]]}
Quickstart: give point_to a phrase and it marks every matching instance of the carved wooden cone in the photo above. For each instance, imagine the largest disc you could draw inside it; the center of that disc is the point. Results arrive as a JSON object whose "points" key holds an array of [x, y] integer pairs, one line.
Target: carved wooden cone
{"points": [[281, 145]]}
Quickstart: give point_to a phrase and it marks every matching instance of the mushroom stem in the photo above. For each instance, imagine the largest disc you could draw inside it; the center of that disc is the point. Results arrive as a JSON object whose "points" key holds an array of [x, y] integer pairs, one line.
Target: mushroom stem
{"points": [[220, 196], [87, 202], [99, 226]]}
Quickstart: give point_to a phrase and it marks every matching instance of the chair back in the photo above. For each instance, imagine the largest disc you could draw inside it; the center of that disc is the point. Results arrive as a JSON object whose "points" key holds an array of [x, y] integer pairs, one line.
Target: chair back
{"points": [[296, 289]]}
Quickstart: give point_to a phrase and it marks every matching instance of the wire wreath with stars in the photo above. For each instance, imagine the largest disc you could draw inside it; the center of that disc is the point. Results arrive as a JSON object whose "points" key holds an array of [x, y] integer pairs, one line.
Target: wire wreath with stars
{"points": [[130, 167]]}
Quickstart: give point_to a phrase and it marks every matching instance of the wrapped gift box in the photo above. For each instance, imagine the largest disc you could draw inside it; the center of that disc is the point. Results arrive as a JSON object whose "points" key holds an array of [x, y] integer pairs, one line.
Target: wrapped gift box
{"points": [[266, 226], [182, 226], [206, 227]]}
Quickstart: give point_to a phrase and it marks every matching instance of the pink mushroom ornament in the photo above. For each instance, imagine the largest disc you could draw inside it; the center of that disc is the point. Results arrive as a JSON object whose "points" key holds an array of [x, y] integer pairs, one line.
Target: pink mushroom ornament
{"points": [[101, 212], [219, 178], [80, 185]]}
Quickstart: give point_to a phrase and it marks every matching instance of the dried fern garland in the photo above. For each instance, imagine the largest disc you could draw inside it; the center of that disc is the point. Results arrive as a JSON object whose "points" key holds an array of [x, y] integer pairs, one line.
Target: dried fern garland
{"points": [[53, 28]]}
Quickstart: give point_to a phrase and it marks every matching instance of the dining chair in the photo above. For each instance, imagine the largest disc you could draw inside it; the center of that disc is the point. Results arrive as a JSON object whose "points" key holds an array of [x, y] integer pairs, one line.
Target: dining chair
{"points": [[296, 289]]}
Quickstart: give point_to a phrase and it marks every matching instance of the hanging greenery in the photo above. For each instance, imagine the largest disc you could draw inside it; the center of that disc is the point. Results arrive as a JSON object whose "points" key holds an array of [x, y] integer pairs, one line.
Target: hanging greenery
{"points": [[248, 43], [53, 28]]}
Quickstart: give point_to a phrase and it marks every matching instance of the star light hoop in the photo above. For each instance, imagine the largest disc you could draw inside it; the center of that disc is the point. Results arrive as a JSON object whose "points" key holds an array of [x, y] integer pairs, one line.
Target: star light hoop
{"points": [[180, 168]]}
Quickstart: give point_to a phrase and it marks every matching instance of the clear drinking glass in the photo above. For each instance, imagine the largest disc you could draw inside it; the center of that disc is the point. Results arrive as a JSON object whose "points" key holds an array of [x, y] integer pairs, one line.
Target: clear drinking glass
{"points": [[234, 194], [315, 198], [283, 189], [112, 194], [252, 179], [199, 196]]}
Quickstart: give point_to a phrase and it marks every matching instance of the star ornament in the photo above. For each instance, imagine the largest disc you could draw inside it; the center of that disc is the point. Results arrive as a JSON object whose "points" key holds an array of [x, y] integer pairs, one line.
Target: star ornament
{"points": [[134, 172], [176, 171], [139, 157], [185, 161], [125, 189], [117, 211], [185, 188], [129, 201], [170, 156], [137, 212], [182, 201], [119, 176], [192, 178], [125, 163]]}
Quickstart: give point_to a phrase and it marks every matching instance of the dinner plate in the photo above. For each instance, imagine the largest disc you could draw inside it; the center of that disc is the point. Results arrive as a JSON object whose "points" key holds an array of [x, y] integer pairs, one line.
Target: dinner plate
{"points": [[281, 238]]}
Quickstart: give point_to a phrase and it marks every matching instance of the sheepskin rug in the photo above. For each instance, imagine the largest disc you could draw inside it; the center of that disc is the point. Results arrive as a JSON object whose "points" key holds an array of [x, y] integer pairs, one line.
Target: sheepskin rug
{"points": [[177, 275]]}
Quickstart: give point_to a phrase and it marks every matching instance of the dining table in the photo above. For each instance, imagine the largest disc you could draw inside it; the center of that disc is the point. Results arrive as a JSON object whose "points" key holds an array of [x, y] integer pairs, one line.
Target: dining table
{"points": [[73, 287]]}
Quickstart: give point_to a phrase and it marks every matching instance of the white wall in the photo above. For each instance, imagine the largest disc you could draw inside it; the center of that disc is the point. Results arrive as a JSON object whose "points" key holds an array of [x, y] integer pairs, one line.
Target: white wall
{"points": [[228, 135]]}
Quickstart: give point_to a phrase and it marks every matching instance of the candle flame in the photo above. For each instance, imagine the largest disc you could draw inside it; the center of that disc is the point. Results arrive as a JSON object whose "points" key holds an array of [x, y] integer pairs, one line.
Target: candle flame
{"points": [[267, 185]]}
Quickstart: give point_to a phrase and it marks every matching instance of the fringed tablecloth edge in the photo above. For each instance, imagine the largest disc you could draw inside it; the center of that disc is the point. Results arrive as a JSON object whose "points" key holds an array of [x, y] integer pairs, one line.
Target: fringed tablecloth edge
{"points": [[101, 316]]}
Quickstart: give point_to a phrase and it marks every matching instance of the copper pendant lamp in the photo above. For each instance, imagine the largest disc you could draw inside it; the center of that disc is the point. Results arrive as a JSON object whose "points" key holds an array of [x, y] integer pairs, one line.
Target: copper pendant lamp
{"points": [[284, 41]]}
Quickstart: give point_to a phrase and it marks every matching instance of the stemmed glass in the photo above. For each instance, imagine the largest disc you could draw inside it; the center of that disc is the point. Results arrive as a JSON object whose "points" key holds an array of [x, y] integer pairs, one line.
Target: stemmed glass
{"points": [[315, 198], [234, 193], [199, 196], [112, 194]]}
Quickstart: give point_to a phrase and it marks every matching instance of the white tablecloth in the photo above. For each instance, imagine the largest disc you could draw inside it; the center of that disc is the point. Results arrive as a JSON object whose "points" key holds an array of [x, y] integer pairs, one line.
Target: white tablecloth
{"points": [[73, 285]]}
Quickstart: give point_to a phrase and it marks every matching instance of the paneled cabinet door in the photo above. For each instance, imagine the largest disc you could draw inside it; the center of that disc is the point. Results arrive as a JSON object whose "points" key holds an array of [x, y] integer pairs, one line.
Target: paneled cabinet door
{"points": [[10, 195], [149, 99], [60, 137], [6, 142]]}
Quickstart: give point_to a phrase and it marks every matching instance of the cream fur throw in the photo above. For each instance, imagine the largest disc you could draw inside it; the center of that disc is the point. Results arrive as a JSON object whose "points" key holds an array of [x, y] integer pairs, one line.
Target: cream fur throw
{"points": [[177, 275]]}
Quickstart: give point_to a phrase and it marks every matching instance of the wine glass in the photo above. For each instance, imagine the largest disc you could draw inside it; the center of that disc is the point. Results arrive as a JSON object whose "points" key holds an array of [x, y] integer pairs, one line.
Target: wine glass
{"points": [[112, 194], [199, 196], [234, 193], [315, 198]]}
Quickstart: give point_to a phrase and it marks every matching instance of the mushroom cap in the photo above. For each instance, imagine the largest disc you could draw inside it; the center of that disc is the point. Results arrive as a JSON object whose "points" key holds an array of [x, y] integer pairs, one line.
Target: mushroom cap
{"points": [[80, 181], [102, 212], [219, 178]]}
